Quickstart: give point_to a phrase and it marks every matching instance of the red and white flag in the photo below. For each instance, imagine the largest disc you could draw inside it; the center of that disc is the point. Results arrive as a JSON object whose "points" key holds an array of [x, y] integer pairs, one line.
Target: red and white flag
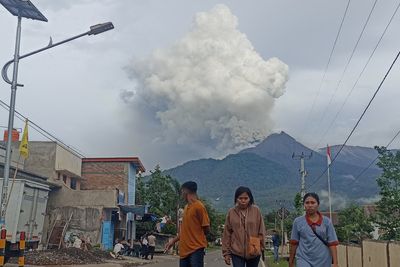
{"points": [[328, 155]]}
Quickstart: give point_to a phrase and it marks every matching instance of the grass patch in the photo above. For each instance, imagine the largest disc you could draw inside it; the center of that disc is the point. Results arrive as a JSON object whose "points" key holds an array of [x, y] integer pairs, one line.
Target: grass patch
{"points": [[269, 259], [281, 263]]}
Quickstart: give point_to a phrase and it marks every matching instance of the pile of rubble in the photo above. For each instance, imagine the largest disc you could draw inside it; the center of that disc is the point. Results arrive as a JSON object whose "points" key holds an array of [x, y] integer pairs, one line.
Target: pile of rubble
{"points": [[65, 256]]}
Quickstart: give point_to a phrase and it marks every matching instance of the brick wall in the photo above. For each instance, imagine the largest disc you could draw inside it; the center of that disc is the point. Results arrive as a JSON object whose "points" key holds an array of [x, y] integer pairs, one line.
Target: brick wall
{"points": [[105, 176]]}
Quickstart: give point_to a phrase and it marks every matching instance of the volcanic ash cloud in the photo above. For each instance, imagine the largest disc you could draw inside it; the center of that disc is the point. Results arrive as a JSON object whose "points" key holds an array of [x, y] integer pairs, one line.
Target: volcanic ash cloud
{"points": [[211, 88]]}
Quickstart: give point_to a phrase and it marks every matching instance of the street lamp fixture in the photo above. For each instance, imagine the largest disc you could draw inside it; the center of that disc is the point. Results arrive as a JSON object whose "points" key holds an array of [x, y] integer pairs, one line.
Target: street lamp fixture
{"points": [[100, 28], [94, 30], [25, 9]]}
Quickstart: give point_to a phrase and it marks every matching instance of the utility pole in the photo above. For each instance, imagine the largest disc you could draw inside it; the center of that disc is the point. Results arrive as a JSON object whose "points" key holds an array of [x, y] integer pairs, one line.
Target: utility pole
{"points": [[329, 161], [282, 213], [303, 171]]}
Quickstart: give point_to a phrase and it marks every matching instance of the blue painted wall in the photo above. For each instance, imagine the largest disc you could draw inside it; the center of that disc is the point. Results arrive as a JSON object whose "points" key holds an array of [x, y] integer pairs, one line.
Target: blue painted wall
{"points": [[107, 236], [131, 184]]}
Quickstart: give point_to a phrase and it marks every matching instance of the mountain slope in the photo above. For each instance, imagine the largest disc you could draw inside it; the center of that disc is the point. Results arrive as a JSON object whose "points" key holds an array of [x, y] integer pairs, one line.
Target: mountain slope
{"points": [[218, 179], [357, 155], [272, 174]]}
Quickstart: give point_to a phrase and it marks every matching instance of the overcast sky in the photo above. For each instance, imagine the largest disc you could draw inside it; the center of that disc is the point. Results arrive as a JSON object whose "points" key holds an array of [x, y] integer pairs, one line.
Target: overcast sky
{"points": [[182, 80]]}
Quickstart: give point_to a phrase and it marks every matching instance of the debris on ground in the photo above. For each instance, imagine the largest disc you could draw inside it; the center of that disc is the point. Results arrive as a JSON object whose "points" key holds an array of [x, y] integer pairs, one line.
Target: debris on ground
{"points": [[133, 264], [65, 256]]}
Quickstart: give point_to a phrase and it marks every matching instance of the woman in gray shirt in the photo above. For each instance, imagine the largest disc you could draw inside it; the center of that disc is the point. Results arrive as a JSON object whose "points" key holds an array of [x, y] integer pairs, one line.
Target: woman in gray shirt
{"points": [[313, 240]]}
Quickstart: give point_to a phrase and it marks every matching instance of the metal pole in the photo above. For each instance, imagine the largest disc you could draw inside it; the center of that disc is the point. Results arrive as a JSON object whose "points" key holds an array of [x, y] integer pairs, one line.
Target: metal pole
{"points": [[5, 67], [282, 237], [10, 127], [303, 171], [303, 176], [329, 193]]}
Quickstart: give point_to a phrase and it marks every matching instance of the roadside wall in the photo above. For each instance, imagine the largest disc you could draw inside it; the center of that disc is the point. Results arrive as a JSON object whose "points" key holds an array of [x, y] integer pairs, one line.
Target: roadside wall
{"points": [[372, 253], [66, 197], [394, 252], [86, 207], [354, 256], [342, 255], [375, 254]]}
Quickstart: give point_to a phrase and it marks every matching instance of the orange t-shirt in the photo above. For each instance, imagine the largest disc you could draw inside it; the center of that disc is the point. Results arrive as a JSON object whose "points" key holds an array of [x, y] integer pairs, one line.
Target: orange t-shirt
{"points": [[192, 236]]}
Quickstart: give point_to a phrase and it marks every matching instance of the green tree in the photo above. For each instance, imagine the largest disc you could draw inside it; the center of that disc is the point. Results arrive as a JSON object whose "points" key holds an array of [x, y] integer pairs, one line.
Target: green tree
{"points": [[270, 220], [388, 215], [353, 226], [169, 228], [216, 220], [162, 194], [140, 190], [298, 211], [298, 204]]}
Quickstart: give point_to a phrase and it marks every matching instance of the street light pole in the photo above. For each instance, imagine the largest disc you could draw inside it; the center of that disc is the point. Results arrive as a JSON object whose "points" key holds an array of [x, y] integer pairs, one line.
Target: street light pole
{"points": [[94, 30], [10, 125]]}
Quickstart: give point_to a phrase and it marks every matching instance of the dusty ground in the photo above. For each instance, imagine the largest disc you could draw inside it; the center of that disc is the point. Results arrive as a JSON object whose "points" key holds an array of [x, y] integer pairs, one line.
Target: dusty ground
{"points": [[66, 256], [72, 257]]}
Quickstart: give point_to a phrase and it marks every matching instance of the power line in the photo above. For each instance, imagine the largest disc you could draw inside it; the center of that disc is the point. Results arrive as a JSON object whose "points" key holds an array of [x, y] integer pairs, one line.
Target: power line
{"points": [[324, 113], [51, 137], [373, 161], [359, 120], [326, 68], [359, 76], [41, 131]]}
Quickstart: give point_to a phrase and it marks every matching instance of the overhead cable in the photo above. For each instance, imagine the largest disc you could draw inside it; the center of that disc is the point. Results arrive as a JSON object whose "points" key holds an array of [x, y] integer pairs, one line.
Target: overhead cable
{"points": [[326, 68], [324, 113], [359, 76], [360, 118], [374, 160], [42, 131]]}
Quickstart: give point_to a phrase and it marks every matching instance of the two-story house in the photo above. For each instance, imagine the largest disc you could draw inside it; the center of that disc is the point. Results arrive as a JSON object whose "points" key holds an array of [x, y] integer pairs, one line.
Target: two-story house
{"points": [[115, 174]]}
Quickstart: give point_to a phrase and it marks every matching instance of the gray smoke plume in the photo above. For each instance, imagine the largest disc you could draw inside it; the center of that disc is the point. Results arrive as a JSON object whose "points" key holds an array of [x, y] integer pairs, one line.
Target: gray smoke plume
{"points": [[210, 88]]}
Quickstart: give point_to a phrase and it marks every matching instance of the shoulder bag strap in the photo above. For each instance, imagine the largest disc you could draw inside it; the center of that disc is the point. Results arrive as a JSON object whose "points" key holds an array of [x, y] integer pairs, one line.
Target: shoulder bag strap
{"points": [[319, 237]]}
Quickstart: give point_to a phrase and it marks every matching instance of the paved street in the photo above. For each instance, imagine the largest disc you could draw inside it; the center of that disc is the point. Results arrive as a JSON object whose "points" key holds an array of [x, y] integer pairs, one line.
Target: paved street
{"points": [[212, 259]]}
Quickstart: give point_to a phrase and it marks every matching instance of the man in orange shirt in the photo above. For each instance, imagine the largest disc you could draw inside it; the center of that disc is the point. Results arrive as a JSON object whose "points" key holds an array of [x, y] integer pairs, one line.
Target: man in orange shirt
{"points": [[195, 225]]}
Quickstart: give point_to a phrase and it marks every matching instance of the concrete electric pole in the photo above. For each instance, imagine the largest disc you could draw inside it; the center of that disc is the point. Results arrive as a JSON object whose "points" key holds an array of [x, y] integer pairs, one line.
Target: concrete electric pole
{"points": [[303, 171], [282, 214]]}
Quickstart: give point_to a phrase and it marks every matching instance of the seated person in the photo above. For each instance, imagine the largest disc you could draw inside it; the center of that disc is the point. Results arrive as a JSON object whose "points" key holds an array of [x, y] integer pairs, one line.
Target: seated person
{"points": [[127, 251], [136, 248], [118, 250]]}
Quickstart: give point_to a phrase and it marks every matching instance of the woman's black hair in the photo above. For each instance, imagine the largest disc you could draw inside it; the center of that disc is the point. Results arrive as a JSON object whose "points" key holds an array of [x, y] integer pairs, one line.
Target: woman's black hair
{"points": [[313, 195], [242, 189]]}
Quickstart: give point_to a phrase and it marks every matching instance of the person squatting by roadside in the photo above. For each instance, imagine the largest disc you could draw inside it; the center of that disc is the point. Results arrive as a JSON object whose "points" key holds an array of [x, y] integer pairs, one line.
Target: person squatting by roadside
{"points": [[313, 241], [244, 231], [118, 249], [195, 225]]}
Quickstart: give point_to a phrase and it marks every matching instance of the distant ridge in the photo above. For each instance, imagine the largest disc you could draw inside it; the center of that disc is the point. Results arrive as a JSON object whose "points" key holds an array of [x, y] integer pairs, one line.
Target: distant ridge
{"points": [[269, 170]]}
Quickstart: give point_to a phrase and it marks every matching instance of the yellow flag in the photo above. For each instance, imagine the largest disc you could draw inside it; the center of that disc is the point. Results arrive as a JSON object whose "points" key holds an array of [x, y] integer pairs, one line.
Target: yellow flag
{"points": [[23, 147]]}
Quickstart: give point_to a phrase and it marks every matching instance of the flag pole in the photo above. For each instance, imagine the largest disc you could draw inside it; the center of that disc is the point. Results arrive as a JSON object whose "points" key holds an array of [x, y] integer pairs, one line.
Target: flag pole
{"points": [[329, 180]]}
